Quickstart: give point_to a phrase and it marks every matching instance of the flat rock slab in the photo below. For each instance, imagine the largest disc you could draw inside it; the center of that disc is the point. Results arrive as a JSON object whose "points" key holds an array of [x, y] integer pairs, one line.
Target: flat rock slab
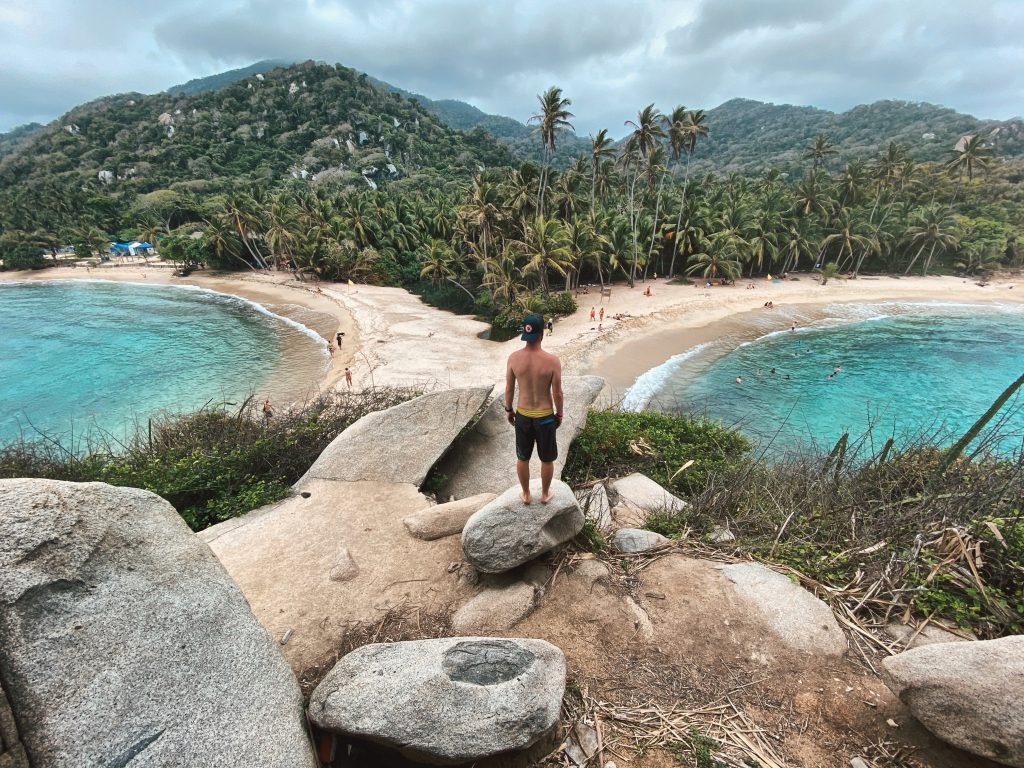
{"points": [[284, 557], [645, 495], [416, 434], [495, 609], [970, 694], [635, 540], [123, 641], [799, 619], [446, 519], [484, 459], [508, 532], [449, 701]]}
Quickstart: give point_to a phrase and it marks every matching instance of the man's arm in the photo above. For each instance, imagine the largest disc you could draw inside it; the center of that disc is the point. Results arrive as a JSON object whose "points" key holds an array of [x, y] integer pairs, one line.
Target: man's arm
{"points": [[510, 392], [556, 390]]}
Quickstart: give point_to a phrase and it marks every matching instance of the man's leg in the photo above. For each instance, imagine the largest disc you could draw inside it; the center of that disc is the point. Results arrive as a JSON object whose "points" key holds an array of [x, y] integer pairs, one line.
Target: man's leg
{"points": [[547, 471], [523, 472]]}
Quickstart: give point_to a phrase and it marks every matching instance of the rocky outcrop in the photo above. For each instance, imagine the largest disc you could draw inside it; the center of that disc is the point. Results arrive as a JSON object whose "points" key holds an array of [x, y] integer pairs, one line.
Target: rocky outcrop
{"points": [[635, 540], [970, 694], [123, 641], [645, 496], [446, 519], [484, 459], [451, 700], [507, 532], [799, 619], [415, 435]]}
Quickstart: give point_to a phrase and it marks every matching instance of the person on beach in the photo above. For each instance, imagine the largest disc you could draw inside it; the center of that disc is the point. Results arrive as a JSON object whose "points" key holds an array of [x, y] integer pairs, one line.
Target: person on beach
{"points": [[538, 411], [268, 409], [551, 327], [793, 326], [348, 378], [330, 347], [338, 336], [601, 316], [592, 314]]}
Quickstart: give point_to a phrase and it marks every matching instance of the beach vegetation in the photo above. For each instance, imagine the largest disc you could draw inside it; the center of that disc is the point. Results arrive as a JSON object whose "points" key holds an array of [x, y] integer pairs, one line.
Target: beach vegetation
{"points": [[212, 464]]}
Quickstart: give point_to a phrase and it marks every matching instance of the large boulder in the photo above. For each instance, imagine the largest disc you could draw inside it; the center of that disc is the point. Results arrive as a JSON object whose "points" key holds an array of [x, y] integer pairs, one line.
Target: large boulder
{"points": [[496, 609], [122, 639], [451, 700], [970, 694], [417, 433], [641, 494], [798, 618], [507, 532], [446, 519], [484, 459]]}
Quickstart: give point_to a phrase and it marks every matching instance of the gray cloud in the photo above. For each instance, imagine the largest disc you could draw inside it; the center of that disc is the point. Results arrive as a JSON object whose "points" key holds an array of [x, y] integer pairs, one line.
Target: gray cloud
{"points": [[611, 58]]}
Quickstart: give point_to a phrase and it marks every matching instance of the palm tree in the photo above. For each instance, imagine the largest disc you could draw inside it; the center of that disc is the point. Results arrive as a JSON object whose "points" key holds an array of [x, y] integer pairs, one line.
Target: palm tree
{"points": [[689, 131], [718, 258], [933, 229], [545, 245], [647, 134], [972, 153], [437, 261], [552, 119], [849, 235], [482, 214], [600, 149], [819, 151], [797, 242]]}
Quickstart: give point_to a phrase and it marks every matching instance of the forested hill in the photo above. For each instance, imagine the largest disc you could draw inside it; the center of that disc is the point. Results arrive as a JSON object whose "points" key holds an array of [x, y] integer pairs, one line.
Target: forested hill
{"points": [[747, 136], [310, 121]]}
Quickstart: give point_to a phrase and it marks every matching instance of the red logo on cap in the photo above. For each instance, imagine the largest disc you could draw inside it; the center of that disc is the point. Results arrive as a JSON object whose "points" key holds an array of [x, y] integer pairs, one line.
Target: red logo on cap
{"points": [[529, 329]]}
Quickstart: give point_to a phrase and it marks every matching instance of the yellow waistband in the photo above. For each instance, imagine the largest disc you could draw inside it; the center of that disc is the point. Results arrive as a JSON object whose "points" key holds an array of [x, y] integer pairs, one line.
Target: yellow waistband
{"points": [[535, 413]]}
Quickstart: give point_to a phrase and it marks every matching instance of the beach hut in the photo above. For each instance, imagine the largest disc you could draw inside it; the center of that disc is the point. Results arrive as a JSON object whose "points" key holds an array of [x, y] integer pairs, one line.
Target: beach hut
{"points": [[134, 248]]}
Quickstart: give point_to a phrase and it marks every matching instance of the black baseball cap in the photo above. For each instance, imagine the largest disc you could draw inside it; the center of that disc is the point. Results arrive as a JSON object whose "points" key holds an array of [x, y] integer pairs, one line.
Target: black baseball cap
{"points": [[533, 327]]}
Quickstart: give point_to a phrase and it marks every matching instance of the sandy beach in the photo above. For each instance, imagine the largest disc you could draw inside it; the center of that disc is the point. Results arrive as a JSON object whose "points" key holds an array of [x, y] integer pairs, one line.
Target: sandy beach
{"points": [[393, 338]]}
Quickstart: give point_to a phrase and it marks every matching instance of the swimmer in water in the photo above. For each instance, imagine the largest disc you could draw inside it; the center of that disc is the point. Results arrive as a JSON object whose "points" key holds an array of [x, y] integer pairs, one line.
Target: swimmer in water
{"points": [[739, 379]]}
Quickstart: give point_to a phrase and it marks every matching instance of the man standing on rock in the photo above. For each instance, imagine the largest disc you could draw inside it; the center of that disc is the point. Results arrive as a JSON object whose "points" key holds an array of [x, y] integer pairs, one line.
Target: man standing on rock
{"points": [[538, 413]]}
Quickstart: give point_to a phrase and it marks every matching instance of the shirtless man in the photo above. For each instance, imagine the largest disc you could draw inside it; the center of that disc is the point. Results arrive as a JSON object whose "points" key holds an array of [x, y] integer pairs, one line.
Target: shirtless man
{"points": [[538, 412]]}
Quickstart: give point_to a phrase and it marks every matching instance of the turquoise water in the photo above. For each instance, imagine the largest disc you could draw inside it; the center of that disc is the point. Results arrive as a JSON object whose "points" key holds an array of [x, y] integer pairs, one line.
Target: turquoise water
{"points": [[906, 369], [82, 356]]}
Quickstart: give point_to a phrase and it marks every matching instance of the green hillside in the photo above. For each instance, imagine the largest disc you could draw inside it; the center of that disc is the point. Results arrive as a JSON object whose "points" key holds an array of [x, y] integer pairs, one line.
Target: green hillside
{"points": [[747, 136], [315, 122], [222, 79]]}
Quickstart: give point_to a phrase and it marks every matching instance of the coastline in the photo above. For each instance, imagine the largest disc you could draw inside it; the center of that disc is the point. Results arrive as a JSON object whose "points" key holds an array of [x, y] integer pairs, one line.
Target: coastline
{"points": [[393, 338], [299, 303]]}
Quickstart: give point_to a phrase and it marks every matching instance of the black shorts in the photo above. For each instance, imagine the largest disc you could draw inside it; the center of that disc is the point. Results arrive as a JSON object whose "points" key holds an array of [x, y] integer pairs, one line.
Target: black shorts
{"points": [[540, 431]]}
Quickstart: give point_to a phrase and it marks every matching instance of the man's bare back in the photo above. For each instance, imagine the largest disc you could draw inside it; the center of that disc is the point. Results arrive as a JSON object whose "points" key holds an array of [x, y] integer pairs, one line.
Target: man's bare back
{"points": [[534, 370], [538, 410]]}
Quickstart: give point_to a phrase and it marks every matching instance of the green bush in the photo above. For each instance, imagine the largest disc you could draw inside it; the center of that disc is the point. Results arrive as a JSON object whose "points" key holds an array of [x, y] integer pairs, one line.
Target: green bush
{"points": [[213, 464], [616, 443], [23, 257]]}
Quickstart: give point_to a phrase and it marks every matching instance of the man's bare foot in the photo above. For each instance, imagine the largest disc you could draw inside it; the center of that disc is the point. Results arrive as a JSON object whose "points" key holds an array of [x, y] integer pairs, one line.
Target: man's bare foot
{"points": [[525, 496], [545, 497]]}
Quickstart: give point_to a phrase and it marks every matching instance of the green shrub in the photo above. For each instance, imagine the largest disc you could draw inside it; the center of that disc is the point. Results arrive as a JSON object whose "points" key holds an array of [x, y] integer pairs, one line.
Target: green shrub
{"points": [[19, 257], [213, 464], [617, 443]]}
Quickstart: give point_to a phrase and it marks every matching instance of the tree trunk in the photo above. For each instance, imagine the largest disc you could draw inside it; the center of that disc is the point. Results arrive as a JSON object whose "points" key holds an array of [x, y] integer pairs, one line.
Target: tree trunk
{"points": [[928, 261], [654, 231], [913, 261], [679, 219]]}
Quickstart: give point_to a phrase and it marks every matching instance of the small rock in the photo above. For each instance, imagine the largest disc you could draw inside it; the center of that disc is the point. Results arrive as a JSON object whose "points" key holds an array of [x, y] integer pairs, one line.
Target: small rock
{"points": [[720, 535], [655, 595], [857, 762], [969, 694], [797, 617], [930, 635], [345, 567], [495, 609], [449, 700], [446, 519], [633, 540], [642, 493], [507, 532]]}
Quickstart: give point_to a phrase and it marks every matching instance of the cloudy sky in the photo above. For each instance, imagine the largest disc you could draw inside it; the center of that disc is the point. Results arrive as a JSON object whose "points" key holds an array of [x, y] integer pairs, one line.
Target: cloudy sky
{"points": [[610, 57]]}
